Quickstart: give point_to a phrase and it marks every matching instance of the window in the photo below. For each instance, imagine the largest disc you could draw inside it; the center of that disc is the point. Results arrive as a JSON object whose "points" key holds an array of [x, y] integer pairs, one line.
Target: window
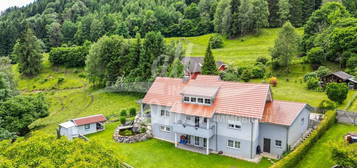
{"points": [[87, 126], [234, 126], [165, 128], [278, 143], [200, 100], [197, 140], [207, 101], [188, 117], [186, 99], [165, 113], [233, 144], [193, 99], [204, 142], [188, 139], [205, 120]]}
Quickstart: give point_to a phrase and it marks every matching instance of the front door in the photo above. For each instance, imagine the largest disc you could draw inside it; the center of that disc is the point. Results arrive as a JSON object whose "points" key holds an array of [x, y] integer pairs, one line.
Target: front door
{"points": [[266, 145], [197, 121]]}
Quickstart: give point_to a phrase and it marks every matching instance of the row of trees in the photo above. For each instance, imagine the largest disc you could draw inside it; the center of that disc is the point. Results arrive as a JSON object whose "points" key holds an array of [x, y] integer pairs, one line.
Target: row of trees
{"points": [[58, 22]]}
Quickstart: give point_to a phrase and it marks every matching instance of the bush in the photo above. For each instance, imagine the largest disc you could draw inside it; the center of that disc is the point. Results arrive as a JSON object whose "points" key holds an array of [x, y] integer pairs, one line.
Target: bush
{"points": [[326, 105], [60, 80], [123, 113], [258, 71], [246, 75], [273, 81], [240, 70], [322, 71], [143, 130], [69, 56], [262, 60], [122, 120], [352, 61], [312, 83], [230, 76], [132, 111], [344, 154], [216, 41], [316, 55], [337, 92], [294, 157]]}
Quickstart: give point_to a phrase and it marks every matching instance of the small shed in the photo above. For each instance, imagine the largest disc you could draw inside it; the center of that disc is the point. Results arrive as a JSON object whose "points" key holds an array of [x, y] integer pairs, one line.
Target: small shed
{"points": [[340, 77], [82, 126], [192, 65]]}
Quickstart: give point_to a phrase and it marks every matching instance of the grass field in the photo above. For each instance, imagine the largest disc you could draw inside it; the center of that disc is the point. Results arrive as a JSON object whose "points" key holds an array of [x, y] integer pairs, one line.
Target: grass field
{"points": [[240, 51], [320, 154], [160, 154]]}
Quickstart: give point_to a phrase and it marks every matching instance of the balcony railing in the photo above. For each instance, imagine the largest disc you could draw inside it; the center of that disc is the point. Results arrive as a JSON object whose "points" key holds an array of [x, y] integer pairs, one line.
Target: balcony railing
{"points": [[201, 131]]}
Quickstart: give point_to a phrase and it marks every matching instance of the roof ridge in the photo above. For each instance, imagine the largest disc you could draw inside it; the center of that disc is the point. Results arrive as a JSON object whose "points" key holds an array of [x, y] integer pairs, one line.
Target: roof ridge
{"points": [[87, 117]]}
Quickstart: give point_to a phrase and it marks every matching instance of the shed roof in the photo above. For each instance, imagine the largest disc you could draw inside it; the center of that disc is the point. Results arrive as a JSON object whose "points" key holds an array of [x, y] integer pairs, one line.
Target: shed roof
{"points": [[342, 75], [194, 64], [89, 119], [67, 124]]}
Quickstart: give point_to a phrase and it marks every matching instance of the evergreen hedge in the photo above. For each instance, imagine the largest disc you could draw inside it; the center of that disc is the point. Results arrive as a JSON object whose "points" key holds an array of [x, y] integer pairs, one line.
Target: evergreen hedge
{"points": [[293, 158]]}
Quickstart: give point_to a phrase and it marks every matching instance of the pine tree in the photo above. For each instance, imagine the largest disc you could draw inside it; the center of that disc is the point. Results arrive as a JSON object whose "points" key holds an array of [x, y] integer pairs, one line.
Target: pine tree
{"points": [[209, 65], [296, 12], [28, 53]]}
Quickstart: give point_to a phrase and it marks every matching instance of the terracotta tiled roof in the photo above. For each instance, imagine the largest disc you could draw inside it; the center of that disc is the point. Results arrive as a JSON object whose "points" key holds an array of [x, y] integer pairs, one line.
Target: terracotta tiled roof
{"points": [[233, 98], [282, 112], [89, 119]]}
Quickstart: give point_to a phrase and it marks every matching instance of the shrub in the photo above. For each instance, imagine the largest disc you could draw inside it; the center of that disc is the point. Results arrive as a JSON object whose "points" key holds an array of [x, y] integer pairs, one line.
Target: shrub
{"points": [[258, 71], [293, 158], [337, 92], [216, 41], [344, 154], [69, 56], [122, 120], [326, 105], [322, 71], [316, 55], [352, 61], [240, 70], [123, 113], [143, 130], [230, 76], [132, 111], [312, 83], [246, 75], [309, 75], [273, 81], [60, 80], [262, 60]]}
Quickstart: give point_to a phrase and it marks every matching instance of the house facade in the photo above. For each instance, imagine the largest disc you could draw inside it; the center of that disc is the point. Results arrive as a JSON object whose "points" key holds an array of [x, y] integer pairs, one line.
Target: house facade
{"points": [[213, 116], [82, 126]]}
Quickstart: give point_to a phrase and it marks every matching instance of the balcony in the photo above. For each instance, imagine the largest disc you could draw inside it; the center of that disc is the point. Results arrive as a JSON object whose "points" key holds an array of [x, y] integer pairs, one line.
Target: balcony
{"points": [[201, 131]]}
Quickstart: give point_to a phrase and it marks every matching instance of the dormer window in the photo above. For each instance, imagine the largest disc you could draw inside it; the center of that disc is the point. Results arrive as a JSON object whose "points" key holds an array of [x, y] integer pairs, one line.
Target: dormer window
{"points": [[207, 101], [200, 100], [186, 99], [193, 99]]}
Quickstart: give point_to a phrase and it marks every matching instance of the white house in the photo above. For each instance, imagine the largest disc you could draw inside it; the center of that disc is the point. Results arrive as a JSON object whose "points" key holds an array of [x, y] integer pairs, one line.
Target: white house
{"points": [[82, 126], [208, 115]]}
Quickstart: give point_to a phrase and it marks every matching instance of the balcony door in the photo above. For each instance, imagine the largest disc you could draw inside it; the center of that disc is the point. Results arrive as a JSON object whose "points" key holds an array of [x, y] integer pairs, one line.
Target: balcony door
{"points": [[197, 121]]}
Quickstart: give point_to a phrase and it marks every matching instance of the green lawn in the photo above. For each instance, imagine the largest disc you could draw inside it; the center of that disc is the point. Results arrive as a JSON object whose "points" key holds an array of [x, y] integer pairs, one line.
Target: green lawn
{"points": [[240, 51], [160, 154], [320, 154]]}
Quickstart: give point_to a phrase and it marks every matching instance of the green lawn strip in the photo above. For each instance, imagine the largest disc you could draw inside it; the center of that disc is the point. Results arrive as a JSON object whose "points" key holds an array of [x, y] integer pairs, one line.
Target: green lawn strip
{"points": [[154, 153], [320, 154]]}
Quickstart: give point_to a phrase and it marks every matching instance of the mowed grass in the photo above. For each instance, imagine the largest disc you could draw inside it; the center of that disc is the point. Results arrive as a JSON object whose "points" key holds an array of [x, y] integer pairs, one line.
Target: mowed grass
{"points": [[154, 153], [320, 154], [240, 51]]}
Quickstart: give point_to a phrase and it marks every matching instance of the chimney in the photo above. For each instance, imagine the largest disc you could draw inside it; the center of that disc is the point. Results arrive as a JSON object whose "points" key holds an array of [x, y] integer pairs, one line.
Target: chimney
{"points": [[185, 79]]}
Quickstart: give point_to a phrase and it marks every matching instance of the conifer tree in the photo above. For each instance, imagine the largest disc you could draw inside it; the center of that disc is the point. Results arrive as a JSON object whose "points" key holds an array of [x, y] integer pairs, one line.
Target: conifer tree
{"points": [[28, 53], [209, 65]]}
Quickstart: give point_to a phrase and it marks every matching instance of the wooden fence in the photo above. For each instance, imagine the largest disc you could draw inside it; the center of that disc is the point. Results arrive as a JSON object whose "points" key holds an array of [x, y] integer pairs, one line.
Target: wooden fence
{"points": [[346, 117]]}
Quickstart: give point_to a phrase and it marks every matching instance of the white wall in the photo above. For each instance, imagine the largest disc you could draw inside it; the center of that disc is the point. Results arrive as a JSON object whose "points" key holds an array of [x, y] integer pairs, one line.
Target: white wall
{"points": [[298, 127]]}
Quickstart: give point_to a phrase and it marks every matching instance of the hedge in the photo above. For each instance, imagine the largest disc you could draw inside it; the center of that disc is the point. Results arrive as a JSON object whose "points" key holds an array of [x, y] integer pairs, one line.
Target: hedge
{"points": [[293, 158], [69, 56]]}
